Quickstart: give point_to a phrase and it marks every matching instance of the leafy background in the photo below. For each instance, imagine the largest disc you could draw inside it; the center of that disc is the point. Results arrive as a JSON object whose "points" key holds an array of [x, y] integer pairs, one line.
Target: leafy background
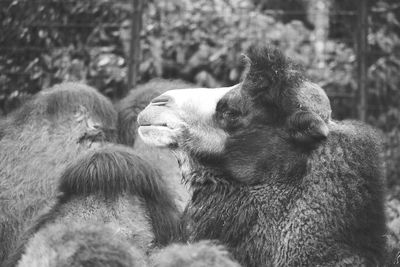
{"points": [[43, 42]]}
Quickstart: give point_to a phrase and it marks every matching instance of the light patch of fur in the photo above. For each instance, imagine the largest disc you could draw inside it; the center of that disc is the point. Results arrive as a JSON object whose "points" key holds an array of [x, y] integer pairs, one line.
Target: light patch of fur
{"points": [[77, 244], [126, 215], [188, 114], [90, 229], [201, 254], [22, 186], [159, 136], [204, 100], [201, 133], [169, 169]]}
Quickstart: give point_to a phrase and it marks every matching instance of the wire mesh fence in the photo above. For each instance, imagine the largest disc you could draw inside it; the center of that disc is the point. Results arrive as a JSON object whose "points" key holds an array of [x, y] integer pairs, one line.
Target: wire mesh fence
{"points": [[91, 42], [340, 44]]}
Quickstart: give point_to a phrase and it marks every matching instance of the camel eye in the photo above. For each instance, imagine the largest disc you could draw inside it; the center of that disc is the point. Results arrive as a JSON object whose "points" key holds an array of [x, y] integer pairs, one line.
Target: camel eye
{"points": [[230, 115], [227, 116]]}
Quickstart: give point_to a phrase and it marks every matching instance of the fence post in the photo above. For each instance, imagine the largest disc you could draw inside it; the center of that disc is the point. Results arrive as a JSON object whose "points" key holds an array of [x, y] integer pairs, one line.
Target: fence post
{"points": [[362, 46], [320, 15], [134, 50]]}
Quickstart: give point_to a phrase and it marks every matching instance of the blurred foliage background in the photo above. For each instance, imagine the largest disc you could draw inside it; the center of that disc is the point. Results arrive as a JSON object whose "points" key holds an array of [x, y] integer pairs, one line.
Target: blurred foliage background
{"points": [[43, 42]]}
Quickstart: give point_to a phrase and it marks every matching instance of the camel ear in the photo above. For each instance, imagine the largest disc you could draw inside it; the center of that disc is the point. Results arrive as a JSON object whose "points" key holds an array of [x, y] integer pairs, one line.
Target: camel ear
{"points": [[307, 127]]}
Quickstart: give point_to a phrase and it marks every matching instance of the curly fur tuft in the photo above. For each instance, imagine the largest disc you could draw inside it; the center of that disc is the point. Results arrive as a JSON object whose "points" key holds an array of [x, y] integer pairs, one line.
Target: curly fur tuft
{"points": [[271, 76], [111, 171], [115, 170]]}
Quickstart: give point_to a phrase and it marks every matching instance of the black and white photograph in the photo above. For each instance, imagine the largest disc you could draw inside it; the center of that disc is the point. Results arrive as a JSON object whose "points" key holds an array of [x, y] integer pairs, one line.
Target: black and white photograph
{"points": [[199, 133]]}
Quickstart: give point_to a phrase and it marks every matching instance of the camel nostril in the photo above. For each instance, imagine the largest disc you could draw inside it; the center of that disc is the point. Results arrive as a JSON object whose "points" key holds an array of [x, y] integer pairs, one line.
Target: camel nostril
{"points": [[161, 100]]}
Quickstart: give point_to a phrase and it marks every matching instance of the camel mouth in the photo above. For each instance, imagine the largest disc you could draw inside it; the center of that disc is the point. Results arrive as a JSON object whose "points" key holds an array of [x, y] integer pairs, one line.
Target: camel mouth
{"points": [[165, 127], [159, 126], [154, 125]]}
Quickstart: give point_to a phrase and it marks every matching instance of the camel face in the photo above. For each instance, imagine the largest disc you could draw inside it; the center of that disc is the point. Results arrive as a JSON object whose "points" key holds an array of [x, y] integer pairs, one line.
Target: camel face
{"points": [[246, 131], [175, 115]]}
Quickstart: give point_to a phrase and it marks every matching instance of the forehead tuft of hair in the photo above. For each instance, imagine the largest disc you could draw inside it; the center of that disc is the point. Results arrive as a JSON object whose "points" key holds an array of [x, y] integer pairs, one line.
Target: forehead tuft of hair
{"points": [[270, 74], [116, 170], [61, 100]]}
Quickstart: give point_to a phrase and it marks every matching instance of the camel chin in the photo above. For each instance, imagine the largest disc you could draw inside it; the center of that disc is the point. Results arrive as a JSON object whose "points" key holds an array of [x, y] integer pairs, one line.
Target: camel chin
{"points": [[159, 136]]}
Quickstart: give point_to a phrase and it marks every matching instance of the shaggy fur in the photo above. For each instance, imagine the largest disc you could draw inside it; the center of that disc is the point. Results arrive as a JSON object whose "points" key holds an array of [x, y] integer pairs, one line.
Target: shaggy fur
{"points": [[116, 171], [311, 209], [37, 142], [201, 254], [128, 109], [114, 189], [73, 245], [289, 186], [3, 126], [104, 217]]}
